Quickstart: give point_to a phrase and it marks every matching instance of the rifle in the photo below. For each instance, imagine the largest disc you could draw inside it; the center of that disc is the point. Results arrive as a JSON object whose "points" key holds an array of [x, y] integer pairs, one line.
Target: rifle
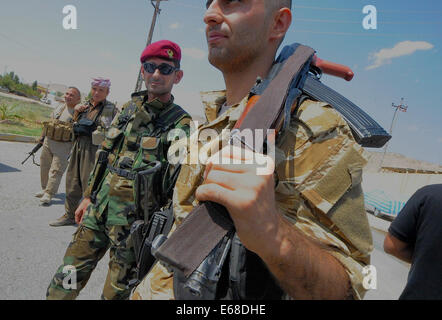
{"points": [[32, 153], [273, 100]]}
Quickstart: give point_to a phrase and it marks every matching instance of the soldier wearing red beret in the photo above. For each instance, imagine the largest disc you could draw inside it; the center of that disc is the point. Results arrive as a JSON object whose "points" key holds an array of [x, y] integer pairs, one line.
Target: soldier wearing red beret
{"points": [[161, 69], [137, 140]]}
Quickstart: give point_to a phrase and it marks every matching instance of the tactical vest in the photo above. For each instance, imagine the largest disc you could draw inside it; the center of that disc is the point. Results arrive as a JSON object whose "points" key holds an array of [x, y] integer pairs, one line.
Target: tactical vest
{"points": [[58, 130], [142, 147]]}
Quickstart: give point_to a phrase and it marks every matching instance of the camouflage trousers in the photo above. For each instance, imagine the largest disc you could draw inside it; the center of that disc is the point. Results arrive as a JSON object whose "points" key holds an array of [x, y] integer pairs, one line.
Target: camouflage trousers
{"points": [[82, 255]]}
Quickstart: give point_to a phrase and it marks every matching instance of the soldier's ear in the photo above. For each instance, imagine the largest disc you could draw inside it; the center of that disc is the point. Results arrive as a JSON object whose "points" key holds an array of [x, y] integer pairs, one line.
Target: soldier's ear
{"points": [[282, 20], [178, 76]]}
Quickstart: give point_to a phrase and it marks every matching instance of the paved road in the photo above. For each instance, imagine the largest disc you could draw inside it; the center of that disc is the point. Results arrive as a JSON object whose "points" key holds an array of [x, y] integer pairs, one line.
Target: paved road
{"points": [[31, 251]]}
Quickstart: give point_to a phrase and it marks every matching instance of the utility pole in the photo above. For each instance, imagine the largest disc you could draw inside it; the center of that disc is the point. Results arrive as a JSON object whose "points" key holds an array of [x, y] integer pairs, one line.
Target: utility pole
{"points": [[149, 39], [401, 107]]}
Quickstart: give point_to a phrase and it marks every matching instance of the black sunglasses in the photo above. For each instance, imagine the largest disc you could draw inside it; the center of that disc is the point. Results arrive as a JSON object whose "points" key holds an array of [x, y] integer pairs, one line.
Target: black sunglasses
{"points": [[165, 69]]}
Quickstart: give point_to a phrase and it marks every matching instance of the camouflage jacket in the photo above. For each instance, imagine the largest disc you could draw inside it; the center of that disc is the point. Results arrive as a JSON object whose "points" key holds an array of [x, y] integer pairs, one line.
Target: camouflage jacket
{"points": [[319, 170], [137, 136]]}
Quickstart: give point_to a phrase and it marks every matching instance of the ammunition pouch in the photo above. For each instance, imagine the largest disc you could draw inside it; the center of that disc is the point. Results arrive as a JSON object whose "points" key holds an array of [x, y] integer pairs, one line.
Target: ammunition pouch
{"points": [[98, 136], [57, 130], [84, 127]]}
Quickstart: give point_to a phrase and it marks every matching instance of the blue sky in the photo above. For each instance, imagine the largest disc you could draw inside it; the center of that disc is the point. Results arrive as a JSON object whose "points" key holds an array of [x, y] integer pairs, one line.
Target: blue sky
{"points": [[401, 58]]}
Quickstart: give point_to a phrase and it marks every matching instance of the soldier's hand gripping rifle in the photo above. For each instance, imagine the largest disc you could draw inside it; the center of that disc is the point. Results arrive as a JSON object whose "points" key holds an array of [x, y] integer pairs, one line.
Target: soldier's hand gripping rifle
{"points": [[270, 107], [33, 152]]}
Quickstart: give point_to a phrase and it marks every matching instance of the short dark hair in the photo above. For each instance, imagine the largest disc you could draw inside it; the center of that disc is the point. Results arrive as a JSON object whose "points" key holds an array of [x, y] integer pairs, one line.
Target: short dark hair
{"points": [[76, 89], [176, 63], [278, 4]]}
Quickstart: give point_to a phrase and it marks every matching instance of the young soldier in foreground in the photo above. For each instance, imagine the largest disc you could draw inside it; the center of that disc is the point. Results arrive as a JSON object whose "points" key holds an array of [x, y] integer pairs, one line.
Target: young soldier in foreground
{"points": [[137, 137], [304, 225]]}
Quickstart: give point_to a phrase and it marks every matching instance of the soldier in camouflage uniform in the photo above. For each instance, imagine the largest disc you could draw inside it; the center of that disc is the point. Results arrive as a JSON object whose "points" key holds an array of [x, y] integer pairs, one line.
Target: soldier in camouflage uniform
{"points": [[305, 220], [138, 136]]}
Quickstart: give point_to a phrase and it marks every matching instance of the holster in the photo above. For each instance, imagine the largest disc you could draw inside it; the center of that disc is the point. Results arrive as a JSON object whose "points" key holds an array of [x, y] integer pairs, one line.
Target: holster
{"points": [[160, 223], [148, 226]]}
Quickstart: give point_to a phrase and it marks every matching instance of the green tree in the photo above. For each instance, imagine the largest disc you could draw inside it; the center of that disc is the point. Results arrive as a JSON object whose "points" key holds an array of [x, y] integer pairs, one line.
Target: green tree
{"points": [[34, 85]]}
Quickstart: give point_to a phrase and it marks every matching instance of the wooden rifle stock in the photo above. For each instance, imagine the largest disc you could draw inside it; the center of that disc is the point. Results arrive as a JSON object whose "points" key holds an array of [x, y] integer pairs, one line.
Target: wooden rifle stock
{"points": [[327, 67]]}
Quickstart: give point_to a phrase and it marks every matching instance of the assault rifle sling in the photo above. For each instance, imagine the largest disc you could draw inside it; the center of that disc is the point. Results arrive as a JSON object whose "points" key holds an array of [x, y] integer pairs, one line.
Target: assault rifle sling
{"points": [[209, 222]]}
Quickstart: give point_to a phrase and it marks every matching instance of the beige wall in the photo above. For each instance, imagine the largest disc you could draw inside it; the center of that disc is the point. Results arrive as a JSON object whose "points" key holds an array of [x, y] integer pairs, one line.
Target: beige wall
{"points": [[401, 184]]}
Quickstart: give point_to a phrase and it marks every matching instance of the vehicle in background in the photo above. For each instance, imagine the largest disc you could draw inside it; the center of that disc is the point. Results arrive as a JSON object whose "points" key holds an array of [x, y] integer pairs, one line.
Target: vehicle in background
{"points": [[3, 89], [45, 100]]}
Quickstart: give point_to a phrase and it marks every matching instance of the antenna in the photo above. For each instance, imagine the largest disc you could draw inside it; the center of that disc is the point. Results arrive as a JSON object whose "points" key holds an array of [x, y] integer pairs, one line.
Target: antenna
{"points": [[149, 38]]}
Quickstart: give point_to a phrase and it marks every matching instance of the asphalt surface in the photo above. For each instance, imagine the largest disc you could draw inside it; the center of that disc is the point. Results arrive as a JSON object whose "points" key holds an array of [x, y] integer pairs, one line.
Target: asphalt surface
{"points": [[31, 250]]}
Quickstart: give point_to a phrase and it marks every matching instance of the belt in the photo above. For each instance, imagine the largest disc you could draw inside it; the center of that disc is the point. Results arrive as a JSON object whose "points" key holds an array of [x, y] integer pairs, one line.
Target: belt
{"points": [[128, 174]]}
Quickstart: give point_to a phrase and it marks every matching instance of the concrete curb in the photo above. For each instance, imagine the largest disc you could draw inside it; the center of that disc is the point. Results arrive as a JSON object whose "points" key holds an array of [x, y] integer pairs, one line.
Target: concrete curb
{"points": [[17, 138]]}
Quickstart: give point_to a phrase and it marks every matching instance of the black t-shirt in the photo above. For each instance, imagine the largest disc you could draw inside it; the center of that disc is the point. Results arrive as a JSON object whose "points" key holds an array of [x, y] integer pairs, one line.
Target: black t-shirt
{"points": [[420, 224]]}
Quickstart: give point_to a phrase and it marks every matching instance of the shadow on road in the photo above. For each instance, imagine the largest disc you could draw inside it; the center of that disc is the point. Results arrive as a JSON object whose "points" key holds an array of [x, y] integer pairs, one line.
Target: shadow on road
{"points": [[5, 168]]}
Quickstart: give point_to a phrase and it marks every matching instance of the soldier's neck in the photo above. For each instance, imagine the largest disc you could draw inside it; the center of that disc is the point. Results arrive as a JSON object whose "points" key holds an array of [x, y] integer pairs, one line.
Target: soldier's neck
{"points": [[239, 82], [165, 98]]}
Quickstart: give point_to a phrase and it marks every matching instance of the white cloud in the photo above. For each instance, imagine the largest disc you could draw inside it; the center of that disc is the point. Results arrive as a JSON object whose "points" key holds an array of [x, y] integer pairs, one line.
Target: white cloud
{"points": [[404, 48], [174, 26], [195, 53]]}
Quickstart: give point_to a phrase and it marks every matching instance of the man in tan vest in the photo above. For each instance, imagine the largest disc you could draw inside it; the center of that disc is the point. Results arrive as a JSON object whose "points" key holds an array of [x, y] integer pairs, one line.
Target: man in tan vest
{"points": [[57, 143]]}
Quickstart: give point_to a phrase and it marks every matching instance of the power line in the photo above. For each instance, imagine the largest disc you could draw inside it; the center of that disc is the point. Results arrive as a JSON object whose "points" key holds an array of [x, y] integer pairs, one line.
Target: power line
{"points": [[368, 34], [360, 10], [359, 22]]}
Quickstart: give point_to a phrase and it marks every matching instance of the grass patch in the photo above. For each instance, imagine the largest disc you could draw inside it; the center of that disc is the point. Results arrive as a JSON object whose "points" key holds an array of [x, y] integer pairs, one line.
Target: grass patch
{"points": [[28, 120]]}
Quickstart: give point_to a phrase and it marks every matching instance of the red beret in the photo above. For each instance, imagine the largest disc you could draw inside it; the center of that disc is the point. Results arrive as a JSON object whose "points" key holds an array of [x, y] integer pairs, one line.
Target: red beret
{"points": [[162, 49]]}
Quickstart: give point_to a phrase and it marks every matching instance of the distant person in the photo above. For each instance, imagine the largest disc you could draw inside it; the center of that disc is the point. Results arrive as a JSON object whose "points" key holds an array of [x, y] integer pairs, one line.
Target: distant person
{"points": [[415, 236], [90, 121], [57, 143]]}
